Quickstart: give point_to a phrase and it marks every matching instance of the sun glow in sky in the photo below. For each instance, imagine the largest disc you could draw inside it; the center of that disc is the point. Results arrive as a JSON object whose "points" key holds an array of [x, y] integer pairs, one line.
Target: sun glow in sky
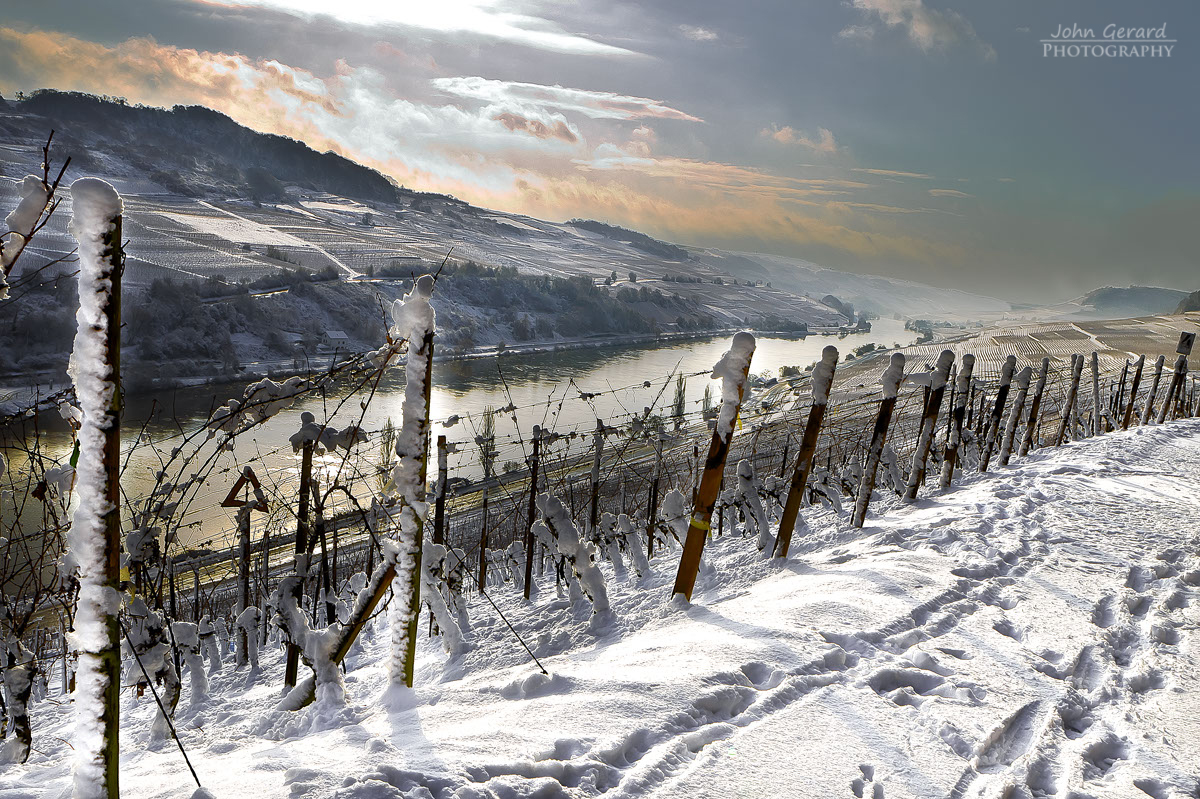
{"points": [[899, 137]]}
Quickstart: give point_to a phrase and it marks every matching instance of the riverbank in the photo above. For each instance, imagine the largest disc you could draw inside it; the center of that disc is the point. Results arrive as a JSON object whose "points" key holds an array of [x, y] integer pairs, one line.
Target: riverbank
{"points": [[15, 398]]}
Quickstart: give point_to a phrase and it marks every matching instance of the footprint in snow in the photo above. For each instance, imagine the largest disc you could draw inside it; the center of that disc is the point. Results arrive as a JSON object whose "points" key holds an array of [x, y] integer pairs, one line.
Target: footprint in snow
{"points": [[865, 787]]}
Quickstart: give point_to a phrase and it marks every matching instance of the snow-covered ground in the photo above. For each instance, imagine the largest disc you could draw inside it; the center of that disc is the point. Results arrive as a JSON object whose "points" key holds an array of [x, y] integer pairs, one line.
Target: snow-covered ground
{"points": [[1028, 634]]}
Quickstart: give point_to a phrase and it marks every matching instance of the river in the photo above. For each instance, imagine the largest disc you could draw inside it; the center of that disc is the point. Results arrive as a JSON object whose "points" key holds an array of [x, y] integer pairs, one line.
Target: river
{"points": [[547, 388]]}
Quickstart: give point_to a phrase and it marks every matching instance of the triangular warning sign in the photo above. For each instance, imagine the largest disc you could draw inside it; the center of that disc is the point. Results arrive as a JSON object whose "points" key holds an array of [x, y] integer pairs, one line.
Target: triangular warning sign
{"points": [[231, 500]]}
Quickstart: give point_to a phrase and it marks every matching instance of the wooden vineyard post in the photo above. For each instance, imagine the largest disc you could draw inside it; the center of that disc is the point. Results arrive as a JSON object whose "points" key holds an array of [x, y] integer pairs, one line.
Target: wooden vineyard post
{"points": [[532, 514], [937, 390], [1097, 416], [1014, 416], [957, 414], [652, 511], [1133, 390], [733, 368], [96, 529], [891, 386], [439, 502], [413, 608], [1115, 404], [1035, 407], [1175, 386], [483, 545], [594, 514], [248, 481], [1148, 408], [993, 423], [301, 551], [822, 379], [1068, 408]]}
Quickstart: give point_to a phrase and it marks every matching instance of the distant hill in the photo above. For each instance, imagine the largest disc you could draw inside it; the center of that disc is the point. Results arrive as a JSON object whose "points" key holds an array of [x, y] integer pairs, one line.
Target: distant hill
{"points": [[1133, 301], [639, 241], [191, 150], [1189, 303]]}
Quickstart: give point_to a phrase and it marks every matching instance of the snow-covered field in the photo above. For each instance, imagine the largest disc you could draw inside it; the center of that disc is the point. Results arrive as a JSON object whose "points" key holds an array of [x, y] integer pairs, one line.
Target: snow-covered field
{"points": [[1028, 634]]}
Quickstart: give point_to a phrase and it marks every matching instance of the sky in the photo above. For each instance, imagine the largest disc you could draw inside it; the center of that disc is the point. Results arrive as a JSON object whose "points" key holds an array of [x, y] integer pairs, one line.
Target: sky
{"points": [[905, 138]]}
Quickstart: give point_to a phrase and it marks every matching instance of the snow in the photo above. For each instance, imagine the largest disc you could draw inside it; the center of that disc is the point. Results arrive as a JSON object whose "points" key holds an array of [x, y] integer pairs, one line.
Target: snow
{"points": [[731, 370], [891, 377], [21, 221], [1030, 633], [413, 321], [822, 375], [96, 205]]}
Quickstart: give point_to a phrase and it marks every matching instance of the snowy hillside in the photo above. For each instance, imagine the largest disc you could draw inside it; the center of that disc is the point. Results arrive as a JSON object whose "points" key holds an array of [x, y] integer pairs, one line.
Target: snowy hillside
{"points": [[1029, 634], [220, 201]]}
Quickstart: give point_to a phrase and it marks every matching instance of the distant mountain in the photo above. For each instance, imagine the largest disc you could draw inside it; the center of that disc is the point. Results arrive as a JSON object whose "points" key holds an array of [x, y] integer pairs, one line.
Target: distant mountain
{"points": [[1133, 300], [1189, 303]]}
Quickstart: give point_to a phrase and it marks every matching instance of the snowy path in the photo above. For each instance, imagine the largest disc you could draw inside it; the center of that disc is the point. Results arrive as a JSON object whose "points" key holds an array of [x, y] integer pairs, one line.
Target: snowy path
{"points": [[1029, 634]]}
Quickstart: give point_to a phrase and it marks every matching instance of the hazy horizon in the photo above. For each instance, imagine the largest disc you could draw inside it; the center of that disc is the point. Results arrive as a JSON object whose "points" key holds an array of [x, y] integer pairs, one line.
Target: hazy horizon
{"points": [[893, 137]]}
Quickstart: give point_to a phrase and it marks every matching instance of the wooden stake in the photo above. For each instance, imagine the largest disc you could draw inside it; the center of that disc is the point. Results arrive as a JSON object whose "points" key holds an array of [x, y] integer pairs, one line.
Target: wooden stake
{"points": [[954, 436], [1097, 416], [1034, 421], [1133, 390], [808, 448], [439, 502], [993, 424], [1014, 417], [652, 512], [937, 390], [1069, 406], [714, 465], [891, 385], [1148, 408], [532, 515], [243, 519], [1175, 386], [598, 442], [301, 555]]}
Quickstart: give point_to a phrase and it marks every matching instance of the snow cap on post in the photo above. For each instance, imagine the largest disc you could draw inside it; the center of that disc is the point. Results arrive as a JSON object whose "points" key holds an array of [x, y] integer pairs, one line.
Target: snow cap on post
{"points": [[731, 369], [1023, 378], [822, 375], [890, 380], [94, 205], [1006, 373], [941, 371], [964, 375], [412, 316]]}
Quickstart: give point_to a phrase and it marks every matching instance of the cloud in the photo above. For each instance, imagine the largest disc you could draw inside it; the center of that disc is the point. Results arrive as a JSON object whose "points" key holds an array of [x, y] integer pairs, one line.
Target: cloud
{"points": [[697, 34], [480, 17], [927, 28], [517, 149], [540, 130], [593, 104], [824, 142], [893, 173], [949, 193]]}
